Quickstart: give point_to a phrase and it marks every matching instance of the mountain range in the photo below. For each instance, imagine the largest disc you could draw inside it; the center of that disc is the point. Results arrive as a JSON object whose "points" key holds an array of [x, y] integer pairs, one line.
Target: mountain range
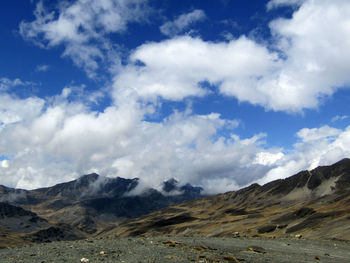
{"points": [[312, 204], [81, 208]]}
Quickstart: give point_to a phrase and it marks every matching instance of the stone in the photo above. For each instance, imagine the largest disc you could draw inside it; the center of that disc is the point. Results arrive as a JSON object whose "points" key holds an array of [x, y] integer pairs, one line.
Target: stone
{"points": [[231, 258], [257, 249], [267, 229], [171, 243], [236, 234]]}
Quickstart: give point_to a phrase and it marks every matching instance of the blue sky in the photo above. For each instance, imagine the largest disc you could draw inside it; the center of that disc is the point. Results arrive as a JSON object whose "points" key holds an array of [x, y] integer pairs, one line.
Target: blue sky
{"points": [[215, 93]]}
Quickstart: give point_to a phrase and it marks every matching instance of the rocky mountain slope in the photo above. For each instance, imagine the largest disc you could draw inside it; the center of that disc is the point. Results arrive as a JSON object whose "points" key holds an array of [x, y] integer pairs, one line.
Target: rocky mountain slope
{"points": [[82, 207], [19, 220], [312, 204]]}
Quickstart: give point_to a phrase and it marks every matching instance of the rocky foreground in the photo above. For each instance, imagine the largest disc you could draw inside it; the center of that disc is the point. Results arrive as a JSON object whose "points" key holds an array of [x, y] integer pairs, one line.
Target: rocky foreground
{"points": [[190, 249]]}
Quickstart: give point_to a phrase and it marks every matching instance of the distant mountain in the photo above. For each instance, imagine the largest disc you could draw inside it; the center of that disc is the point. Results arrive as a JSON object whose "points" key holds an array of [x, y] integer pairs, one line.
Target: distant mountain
{"points": [[314, 204], [84, 206], [87, 186]]}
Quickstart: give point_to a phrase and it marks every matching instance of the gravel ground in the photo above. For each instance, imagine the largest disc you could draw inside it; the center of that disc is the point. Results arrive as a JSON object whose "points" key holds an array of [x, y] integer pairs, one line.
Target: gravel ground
{"points": [[189, 249]]}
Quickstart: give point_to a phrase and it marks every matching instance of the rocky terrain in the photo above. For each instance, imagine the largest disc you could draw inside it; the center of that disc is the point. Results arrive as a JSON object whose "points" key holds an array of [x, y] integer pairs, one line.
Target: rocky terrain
{"points": [[312, 204], [184, 249]]}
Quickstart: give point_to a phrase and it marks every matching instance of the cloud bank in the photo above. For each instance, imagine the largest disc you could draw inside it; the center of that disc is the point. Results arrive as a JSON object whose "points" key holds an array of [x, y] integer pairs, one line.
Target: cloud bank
{"points": [[66, 140], [47, 141]]}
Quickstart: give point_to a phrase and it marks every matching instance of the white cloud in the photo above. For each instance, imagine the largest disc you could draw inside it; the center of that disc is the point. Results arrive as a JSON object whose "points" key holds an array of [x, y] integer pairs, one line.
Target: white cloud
{"points": [[42, 68], [268, 158], [277, 3], [311, 62], [14, 110], [81, 94], [7, 84], [339, 118], [4, 164], [67, 139], [315, 43], [63, 140], [315, 134], [182, 22], [317, 146], [82, 27], [175, 68]]}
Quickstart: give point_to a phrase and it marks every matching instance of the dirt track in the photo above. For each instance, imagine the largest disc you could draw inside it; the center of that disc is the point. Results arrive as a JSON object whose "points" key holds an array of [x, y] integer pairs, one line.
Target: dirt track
{"points": [[181, 250]]}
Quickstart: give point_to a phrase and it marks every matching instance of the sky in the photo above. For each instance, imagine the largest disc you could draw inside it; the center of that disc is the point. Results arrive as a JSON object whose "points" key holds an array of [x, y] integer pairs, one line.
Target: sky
{"points": [[219, 94]]}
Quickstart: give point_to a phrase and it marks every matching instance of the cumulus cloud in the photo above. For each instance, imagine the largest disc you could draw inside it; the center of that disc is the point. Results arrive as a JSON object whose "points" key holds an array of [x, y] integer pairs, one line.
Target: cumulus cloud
{"points": [[83, 27], [314, 42], [64, 139], [310, 62], [268, 158], [14, 110], [315, 134], [175, 68], [67, 139], [182, 22]]}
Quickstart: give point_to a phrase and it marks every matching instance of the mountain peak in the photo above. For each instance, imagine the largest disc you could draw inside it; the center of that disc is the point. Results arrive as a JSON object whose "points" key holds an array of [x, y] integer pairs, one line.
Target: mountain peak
{"points": [[170, 185], [187, 189], [88, 178]]}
